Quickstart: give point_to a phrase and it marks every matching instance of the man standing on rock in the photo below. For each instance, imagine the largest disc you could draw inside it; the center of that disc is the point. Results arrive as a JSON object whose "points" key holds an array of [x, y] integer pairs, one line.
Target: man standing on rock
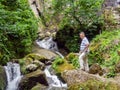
{"points": [[84, 49]]}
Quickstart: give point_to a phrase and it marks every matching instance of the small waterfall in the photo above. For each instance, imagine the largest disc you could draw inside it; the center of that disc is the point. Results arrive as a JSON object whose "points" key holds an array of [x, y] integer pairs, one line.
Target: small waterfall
{"points": [[13, 75], [47, 43], [53, 80]]}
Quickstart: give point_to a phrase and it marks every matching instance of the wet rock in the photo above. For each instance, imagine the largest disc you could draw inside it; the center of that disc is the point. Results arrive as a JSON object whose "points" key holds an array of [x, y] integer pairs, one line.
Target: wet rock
{"points": [[117, 67], [3, 78], [96, 69], [31, 79], [31, 67], [39, 64]]}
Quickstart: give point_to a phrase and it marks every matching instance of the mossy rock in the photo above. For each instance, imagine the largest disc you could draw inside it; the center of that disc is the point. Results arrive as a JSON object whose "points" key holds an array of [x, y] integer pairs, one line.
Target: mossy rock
{"points": [[39, 87], [3, 78], [94, 85], [60, 65], [35, 56], [28, 59]]}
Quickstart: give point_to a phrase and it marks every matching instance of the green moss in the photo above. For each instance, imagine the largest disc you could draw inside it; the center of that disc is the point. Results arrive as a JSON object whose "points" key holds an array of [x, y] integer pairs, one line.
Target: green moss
{"points": [[94, 85], [60, 65], [70, 62], [36, 57]]}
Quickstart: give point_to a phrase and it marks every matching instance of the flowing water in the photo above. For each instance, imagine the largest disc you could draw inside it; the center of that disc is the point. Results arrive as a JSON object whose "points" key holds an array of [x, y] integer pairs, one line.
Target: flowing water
{"points": [[53, 80], [13, 75], [47, 43]]}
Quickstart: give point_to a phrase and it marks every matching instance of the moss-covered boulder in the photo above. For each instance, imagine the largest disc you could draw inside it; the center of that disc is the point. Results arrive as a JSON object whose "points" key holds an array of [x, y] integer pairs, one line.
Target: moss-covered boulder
{"points": [[68, 63], [31, 59], [60, 65], [73, 77], [31, 79], [94, 85], [3, 78]]}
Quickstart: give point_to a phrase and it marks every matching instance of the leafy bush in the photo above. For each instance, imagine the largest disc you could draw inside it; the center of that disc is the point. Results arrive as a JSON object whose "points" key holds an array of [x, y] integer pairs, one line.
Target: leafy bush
{"points": [[73, 59], [18, 28], [58, 61]]}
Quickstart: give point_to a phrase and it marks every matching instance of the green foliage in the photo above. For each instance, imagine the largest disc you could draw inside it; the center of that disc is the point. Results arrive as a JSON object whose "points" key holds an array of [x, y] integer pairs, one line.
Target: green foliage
{"points": [[68, 63], [103, 50], [18, 29], [58, 61], [78, 15], [73, 59]]}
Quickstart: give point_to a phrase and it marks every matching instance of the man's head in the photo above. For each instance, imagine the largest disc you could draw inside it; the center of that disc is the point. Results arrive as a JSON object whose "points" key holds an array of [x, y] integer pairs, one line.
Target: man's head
{"points": [[82, 35]]}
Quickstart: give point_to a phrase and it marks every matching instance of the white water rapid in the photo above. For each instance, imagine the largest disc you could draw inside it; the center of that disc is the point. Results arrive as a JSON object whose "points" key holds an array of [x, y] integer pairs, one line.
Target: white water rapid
{"points": [[13, 75], [53, 80], [47, 43]]}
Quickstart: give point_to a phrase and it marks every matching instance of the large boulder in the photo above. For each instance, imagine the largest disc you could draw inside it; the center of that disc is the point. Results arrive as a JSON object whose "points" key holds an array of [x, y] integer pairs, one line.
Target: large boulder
{"points": [[73, 77], [3, 78], [32, 62], [31, 79], [44, 52]]}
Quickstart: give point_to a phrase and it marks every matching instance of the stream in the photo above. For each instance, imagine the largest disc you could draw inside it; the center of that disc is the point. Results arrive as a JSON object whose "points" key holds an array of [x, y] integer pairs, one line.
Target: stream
{"points": [[14, 75]]}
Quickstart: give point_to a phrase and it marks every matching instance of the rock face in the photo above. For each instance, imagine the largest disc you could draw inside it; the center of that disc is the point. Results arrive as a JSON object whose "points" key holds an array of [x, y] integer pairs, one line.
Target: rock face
{"points": [[31, 79], [3, 78]]}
